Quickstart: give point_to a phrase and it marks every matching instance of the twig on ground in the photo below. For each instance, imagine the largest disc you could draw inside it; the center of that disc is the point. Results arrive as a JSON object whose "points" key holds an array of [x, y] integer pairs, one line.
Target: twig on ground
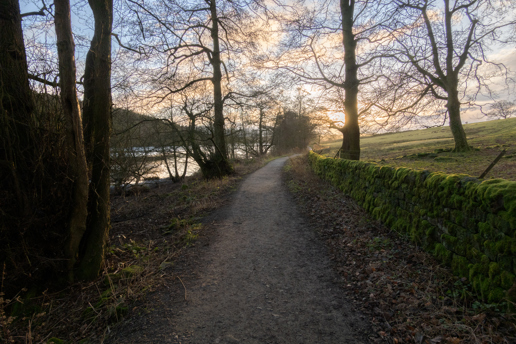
{"points": [[183, 285]]}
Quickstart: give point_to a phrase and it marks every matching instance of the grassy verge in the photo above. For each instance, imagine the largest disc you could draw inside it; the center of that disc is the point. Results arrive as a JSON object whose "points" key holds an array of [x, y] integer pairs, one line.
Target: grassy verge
{"points": [[430, 149], [150, 228], [407, 295]]}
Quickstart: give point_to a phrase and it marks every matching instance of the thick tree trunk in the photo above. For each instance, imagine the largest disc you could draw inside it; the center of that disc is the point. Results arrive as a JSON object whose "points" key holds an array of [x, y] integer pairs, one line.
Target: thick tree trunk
{"points": [[220, 158], [209, 168], [16, 94], [97, 119], [459, 135], [74, 135], [451, 84], [16, 104], [351, 133]]}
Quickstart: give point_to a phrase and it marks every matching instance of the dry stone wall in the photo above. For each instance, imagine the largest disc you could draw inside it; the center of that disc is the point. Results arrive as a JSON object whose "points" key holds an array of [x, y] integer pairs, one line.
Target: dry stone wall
{"points": [[467, 223]]}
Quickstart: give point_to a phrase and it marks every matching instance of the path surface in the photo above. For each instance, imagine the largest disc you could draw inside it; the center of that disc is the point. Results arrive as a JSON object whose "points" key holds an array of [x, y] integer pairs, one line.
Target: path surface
{"points": [[264, 278]]}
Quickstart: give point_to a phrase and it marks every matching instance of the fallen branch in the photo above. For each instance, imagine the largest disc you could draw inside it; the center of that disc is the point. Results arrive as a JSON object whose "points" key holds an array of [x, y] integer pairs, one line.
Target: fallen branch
{"points": [[502, 153]]}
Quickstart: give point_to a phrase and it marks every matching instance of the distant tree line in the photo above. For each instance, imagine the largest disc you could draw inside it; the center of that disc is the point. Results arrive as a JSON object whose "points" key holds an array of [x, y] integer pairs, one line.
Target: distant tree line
{"points": [[141, 144]]}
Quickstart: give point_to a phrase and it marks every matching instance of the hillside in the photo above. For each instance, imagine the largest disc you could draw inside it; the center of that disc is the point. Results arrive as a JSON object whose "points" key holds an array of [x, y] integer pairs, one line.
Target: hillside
{"points": [[431, 149]]}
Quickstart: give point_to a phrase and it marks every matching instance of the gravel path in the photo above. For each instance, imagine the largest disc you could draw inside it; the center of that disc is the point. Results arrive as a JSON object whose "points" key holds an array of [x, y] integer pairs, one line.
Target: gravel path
{"points": [[264, 277]]}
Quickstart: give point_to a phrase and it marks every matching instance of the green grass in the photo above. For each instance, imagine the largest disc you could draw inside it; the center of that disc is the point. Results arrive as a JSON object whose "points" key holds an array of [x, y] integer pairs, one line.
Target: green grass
{"points": [[430, 149]]}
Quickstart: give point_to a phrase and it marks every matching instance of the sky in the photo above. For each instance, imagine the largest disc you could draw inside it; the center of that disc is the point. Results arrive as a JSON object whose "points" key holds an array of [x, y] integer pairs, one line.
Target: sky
{"points": [[506, 55]]}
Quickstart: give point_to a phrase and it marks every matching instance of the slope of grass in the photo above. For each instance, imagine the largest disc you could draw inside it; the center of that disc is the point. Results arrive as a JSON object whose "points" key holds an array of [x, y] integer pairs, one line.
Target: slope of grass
{"points": [[431, 149]]}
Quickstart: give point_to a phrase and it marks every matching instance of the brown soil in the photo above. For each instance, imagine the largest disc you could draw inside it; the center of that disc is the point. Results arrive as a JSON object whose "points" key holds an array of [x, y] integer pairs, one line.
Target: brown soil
{"points": [[258, 274]]}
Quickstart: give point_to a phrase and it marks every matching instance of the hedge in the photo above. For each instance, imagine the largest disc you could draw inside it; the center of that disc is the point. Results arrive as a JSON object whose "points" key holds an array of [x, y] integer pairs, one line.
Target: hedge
{"points": [[468, 224]]}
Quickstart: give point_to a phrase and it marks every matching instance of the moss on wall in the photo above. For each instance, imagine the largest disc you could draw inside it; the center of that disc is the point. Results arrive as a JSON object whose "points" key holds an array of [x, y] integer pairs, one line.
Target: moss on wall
{"points": [[468, 224]]}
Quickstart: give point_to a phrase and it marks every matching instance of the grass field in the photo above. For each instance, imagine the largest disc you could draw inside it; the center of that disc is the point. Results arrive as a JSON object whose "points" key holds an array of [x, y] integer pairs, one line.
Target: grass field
{"points": [[430, 149]]}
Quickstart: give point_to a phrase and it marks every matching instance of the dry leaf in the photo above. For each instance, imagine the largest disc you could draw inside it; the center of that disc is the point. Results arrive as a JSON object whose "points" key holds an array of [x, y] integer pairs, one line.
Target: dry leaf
{"points": [[479, 317]]}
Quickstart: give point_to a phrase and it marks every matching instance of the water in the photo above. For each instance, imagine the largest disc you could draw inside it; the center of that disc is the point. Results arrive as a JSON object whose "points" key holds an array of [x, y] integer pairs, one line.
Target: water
{"points": [[159, 170], [129, 165]]}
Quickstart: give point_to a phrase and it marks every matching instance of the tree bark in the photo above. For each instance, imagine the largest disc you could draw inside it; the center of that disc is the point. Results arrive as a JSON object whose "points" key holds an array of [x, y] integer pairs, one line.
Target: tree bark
{"points": [[185, 169], [16, 94], [459, 135], [244, 137], [164, 155], [260, 132], [351, 132], [97, 119], [451, 87], [220, 158], [78, 171], [16, 103]]}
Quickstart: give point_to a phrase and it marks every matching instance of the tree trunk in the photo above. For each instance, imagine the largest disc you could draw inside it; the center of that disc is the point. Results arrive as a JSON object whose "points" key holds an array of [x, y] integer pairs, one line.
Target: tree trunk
{"points": [[16, 105], [351, 133], [209, 168], [260, 132], [176, 176], [220, 158], [164, 155], [244, 137], [74, 135], [451, 85], [16, 94], [232, 144], [459, 135], [97, 116], [185, 169]]}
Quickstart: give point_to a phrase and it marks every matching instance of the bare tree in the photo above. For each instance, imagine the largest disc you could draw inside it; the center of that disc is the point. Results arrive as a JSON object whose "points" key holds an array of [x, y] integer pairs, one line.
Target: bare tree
{"points": [[262, 106], [171, 146], [502, 109], [441, 48], [193, 123], [76, 246], [313, 54], [74, 134], [196, 41], [97, 126]]}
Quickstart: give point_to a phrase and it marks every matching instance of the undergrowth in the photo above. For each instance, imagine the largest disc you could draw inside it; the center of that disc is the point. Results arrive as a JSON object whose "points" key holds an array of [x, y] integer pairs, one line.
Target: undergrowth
{"points": [[150, 229]]}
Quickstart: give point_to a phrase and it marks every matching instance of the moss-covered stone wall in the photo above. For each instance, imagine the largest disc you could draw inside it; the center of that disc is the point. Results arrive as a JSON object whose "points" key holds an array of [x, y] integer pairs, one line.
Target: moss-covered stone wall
{"points": [[468, 224]]}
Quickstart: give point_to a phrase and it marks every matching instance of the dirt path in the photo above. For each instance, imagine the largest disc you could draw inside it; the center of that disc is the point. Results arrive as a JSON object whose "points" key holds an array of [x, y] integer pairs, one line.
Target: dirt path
{"points": [[264, 277]]}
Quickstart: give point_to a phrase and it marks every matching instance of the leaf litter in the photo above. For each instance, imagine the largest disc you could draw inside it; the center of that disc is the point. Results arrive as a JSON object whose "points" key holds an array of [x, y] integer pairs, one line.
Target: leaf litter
{"points": [[151, 228], [407, 295]]}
